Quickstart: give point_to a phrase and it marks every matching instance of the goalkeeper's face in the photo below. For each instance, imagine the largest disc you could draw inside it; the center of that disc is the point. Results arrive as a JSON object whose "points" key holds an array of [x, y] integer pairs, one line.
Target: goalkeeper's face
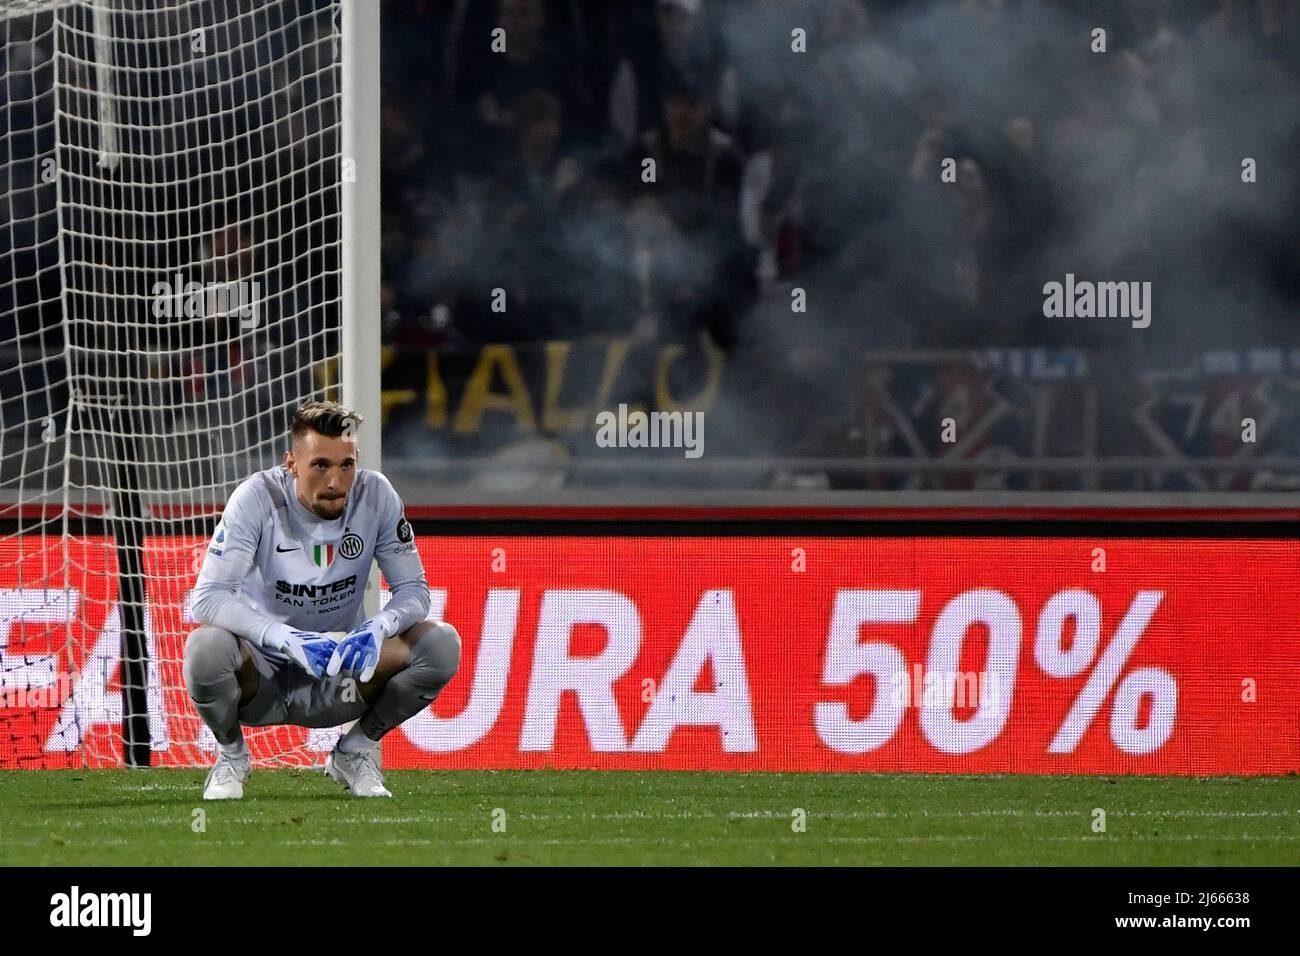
{"points": [[324, 469]]}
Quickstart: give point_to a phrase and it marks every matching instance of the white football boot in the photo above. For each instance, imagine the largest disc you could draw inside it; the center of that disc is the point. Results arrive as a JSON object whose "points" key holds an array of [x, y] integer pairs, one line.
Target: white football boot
{"points": [[357, 772], [227, 777]]}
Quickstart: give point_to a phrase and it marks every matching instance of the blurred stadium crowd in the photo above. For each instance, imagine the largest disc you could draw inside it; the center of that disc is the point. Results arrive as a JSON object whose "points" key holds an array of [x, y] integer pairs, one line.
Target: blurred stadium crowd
{"points": [[522, 169], [820, 170]]}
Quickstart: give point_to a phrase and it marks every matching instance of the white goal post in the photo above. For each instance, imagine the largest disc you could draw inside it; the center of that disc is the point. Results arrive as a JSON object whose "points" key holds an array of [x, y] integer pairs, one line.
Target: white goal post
{"points": [[189, 249]]}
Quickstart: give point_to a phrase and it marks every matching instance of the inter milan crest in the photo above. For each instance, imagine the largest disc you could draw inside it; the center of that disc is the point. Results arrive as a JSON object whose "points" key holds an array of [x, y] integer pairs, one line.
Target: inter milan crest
{"points": [[351, 546]]}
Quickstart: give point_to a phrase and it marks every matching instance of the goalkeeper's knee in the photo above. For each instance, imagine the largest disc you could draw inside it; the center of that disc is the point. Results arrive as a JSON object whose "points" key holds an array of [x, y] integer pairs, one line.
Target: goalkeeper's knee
{"points": [[434, 656], [212, 660]]}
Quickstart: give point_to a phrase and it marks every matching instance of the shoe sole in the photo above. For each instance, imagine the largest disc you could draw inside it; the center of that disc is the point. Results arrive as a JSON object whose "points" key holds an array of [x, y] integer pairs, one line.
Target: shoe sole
{"points": [[233, 796]]}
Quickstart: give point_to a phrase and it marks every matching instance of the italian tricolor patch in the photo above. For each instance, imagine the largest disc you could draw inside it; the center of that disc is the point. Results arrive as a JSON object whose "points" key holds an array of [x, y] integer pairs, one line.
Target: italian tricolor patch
{"points": [[323, 555]]}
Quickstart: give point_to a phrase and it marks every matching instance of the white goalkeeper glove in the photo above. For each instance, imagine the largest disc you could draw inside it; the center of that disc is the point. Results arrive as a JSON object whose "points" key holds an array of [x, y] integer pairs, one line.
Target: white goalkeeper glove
{"points": [[357, 655], [310, 650]]}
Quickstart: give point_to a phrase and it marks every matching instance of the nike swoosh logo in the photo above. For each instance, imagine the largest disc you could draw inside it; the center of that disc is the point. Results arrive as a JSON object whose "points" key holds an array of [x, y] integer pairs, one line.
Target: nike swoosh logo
{"points": [[283, 550]]}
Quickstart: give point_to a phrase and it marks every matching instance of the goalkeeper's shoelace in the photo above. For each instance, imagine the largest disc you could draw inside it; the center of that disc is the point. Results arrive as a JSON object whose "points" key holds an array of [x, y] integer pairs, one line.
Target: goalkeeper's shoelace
{"points": [[366, 772], [226, 770]]}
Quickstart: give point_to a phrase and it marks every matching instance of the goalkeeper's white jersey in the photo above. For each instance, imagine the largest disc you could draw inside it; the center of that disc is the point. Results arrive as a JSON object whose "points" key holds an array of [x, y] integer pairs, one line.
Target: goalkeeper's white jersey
{"points": [[284, 563]]}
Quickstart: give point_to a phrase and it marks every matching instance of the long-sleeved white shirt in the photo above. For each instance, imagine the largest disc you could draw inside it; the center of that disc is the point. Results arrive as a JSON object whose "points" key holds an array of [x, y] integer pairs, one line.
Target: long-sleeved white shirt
{"points": [[271, 559]]}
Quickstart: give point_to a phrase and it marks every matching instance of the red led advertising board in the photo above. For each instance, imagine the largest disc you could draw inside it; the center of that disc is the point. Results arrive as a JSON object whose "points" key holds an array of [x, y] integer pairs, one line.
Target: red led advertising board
{"points": [[967, 655]]}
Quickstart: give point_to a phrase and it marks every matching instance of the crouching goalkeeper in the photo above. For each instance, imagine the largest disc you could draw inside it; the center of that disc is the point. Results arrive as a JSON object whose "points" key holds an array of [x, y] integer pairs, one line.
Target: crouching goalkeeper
{"points": [[284, 574]]}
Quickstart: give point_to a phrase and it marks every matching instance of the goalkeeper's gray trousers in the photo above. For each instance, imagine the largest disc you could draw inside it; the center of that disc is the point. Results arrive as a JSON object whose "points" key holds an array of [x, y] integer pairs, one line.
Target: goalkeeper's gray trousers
{"points": [[287, 694]]}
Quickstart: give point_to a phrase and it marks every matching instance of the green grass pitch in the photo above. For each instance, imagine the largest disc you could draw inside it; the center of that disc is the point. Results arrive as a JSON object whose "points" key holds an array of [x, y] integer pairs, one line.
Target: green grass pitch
{"points": [[147, 817]]}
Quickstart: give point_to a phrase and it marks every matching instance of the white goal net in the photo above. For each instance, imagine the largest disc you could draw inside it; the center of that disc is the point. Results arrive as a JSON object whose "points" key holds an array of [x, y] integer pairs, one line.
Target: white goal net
{"points": [[169, 291]]}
